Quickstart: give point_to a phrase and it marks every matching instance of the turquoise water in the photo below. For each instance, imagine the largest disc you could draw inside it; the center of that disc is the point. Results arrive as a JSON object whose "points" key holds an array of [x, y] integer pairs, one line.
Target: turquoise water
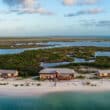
{"points": [[58, 101]]}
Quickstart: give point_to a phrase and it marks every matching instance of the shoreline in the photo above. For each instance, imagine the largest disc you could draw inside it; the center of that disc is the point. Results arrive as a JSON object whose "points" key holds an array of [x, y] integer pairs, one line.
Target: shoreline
{"points": [[47, 87], [30, 91]]}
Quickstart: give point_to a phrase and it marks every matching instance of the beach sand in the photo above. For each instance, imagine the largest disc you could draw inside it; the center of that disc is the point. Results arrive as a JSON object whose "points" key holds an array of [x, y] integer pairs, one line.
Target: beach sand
{"points": [[31, 88]]}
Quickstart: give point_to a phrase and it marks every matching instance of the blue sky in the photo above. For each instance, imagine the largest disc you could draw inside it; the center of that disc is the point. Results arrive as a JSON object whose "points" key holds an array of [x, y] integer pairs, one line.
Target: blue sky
{"points": [[54, 18]]}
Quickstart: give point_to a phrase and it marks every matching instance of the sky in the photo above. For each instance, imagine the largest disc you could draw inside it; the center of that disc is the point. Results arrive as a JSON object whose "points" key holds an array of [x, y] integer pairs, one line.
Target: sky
{"points": [[35, 18]]}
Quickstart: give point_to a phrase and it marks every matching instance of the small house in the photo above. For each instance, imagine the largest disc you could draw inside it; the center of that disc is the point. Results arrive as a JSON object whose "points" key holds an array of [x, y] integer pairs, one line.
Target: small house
{"points": [[8, 73], [103, 73], [57, 73]]}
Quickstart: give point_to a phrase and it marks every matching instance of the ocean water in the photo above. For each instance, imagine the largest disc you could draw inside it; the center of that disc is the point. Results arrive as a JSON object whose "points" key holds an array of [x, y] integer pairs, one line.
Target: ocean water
{"points": [[58, 101]]}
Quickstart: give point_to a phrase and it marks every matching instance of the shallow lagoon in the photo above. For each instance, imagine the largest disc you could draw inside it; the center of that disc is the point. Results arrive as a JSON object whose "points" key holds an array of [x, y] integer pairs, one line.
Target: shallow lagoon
{"points": [[76, 60], [99, 53], [58, 101], [58, 44]]}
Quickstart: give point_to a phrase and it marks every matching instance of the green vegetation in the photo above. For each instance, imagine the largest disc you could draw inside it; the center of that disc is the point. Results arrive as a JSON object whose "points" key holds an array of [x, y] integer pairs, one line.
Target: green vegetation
{"points": [[80, 77], [28, 62]]}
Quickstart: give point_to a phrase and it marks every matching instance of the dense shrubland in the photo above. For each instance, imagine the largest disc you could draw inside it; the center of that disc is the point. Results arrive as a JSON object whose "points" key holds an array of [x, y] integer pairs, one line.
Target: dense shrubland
{"points": [[28, 62]]}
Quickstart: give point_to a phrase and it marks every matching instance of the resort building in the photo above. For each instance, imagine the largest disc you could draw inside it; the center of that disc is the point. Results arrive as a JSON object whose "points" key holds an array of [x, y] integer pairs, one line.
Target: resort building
{"points": [[103, 73], [57, 73], [8, 73]]}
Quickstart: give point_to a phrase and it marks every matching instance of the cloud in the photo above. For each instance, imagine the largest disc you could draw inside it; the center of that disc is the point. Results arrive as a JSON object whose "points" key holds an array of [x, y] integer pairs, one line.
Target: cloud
{"points": [[88, 2], [29, 3], [33, 6], [99, 23], [26, 7], [83, 12], [79, 2], [39, 10], [104, 23], [69, 2], [25, 3], [12, 2], [94, 11]]}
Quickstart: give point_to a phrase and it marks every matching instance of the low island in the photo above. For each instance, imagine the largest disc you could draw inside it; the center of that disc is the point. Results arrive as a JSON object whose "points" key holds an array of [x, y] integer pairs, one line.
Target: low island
{"points": [[54, 69]]}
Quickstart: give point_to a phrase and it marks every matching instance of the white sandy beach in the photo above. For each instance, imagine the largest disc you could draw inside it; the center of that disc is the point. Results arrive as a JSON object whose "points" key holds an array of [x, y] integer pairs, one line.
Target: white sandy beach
{"points": [[49, 87]]}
